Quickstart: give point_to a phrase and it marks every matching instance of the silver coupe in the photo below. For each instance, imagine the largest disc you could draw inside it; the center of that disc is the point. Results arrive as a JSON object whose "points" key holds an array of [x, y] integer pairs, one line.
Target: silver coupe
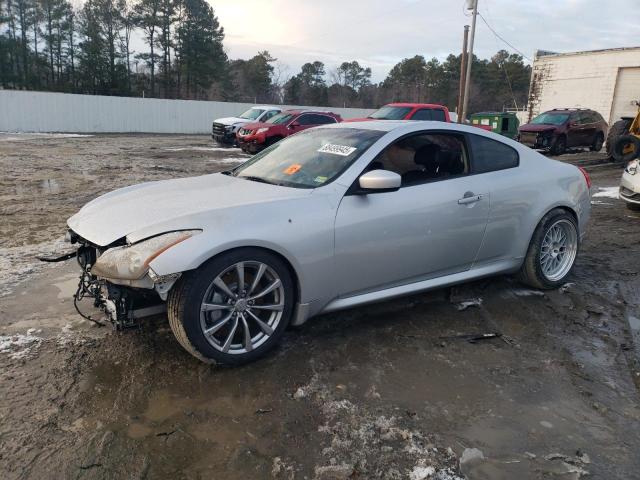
{"points": [[330, 218]]}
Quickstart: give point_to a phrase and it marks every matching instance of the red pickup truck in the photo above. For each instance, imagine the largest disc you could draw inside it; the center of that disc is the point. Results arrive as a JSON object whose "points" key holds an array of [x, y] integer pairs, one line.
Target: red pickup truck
{"points": [[254, 137], [409, 111]]}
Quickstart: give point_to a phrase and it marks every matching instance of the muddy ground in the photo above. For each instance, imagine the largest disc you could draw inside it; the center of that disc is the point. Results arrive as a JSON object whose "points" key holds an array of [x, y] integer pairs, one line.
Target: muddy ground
{"points": [[373, 392]]}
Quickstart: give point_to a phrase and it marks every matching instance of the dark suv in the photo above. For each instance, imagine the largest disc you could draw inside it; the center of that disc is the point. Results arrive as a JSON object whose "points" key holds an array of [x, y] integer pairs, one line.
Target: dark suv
{"points": [[558, 129]]}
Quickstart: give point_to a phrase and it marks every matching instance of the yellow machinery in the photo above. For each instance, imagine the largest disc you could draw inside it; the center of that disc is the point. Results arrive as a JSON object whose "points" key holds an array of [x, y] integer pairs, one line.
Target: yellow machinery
{"points": [[623, 139]]}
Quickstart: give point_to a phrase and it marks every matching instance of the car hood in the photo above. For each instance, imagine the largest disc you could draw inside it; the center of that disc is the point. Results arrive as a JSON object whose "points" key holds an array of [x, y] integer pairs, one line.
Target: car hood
{"points": [[256, 125], [230, 120], [148, 209], [531, 127]]}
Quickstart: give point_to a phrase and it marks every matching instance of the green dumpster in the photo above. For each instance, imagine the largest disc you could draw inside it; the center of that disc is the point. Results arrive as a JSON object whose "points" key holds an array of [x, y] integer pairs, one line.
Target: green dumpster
{"points": [[503, 123]]}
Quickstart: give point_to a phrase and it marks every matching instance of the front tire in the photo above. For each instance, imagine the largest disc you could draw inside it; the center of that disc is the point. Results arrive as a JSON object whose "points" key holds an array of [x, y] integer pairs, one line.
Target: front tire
{"points": [[619, 128], [634, 207], [552, 251], [559, 145], [234, 308]]}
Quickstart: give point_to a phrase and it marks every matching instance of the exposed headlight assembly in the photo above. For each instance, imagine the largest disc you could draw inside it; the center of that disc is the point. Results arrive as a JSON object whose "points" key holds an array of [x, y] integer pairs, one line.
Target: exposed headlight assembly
{"points": [[632, 167], [131, 262]]}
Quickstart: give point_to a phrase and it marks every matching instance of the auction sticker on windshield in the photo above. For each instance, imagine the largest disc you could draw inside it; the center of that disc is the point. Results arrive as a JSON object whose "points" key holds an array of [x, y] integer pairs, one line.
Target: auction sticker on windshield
{"points": [[342, 150], [292, 169]]}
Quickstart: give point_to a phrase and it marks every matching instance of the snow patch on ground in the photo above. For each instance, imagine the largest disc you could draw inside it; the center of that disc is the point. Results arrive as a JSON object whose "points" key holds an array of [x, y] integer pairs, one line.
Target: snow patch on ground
{"points": [[526, 292], [607, 192], [473, 302], [421, 473], [364, 441], [202, 149], [18, 136], [67, 337], [19, 263], [20, 346]]}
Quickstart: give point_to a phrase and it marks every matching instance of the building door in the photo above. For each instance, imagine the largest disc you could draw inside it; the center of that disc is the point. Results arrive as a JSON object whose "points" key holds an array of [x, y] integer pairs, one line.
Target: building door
{"points": [[627, 92]]}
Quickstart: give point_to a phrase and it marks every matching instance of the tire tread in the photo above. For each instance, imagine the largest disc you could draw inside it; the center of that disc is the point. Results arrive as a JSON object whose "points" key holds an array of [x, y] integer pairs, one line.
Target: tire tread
{"points": [[175, 311], [529, 272]]}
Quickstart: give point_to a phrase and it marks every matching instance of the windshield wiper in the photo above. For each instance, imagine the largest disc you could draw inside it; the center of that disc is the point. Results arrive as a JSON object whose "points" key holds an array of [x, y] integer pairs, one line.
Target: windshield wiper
{"points": [[259, 179]]}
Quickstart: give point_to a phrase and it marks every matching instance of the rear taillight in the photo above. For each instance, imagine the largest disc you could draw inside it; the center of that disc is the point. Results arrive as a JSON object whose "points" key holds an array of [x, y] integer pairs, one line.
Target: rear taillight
{"points": [[587, 178]]}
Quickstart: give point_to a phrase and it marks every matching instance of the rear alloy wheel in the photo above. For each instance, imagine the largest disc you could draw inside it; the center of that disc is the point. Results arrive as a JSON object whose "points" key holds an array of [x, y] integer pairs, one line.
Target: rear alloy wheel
{"points": [[234, 308], [552, 251], [596, 146]]}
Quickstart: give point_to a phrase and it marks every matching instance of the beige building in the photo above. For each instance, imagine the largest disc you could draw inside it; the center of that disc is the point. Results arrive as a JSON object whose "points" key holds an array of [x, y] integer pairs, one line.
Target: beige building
{"points": [[607, 81]]}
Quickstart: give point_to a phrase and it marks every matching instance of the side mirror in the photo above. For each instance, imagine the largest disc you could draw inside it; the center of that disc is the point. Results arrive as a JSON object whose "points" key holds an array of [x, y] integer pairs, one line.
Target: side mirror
{"points": [[378, 181]]}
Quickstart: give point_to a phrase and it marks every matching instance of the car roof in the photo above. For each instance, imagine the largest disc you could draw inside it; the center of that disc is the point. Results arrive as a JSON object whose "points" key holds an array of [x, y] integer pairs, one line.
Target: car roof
{"points": [[420, 105], [569, 110], [385, 125], [411, 126], [266, 107], [298, 111]]}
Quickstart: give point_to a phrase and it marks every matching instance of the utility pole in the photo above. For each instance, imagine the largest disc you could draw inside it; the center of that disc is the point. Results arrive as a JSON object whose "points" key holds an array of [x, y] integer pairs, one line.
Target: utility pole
{"points": [[471, 4], [463, 69]]}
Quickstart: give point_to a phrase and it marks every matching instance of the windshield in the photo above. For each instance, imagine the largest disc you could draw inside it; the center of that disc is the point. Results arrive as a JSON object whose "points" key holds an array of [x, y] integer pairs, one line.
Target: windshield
{"points": [[390, 113], [310, 158], [252, 114], [550, 119], [280, 118]]}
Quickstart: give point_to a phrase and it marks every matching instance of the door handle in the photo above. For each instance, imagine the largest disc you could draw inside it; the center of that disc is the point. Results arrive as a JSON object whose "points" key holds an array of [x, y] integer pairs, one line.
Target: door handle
{"points": [[469, 199]]}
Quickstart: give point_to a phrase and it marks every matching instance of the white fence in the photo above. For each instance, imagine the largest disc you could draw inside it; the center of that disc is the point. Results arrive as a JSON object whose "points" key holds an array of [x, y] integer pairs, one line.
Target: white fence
{"points": [[25, 111]]}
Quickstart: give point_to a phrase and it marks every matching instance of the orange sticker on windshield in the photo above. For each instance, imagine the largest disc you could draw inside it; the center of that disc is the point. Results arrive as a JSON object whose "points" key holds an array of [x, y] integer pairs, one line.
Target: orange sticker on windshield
{"points": [[292, 169]]}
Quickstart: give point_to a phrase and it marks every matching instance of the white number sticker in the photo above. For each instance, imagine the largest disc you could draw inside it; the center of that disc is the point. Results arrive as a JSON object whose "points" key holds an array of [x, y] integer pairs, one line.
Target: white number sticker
{"points": [[342, 150]]}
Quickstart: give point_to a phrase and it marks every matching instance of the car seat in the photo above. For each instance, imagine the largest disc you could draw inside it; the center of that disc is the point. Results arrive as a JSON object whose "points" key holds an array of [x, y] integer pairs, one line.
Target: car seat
{"points": [[425, 157]]}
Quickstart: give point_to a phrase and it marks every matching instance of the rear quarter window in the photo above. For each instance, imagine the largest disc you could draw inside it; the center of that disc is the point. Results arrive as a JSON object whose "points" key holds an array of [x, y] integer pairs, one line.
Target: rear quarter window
{"points": [[438, 115], [323, 119], [490, 155]]}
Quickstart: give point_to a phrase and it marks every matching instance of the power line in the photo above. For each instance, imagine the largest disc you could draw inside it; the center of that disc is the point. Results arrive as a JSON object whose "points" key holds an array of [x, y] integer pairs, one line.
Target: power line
{"points": [[501, 38], [503, 65]]}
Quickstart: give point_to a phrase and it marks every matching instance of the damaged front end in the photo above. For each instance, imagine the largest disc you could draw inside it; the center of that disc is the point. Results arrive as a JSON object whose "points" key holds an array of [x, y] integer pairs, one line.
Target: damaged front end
{"points": [[118, 280]]}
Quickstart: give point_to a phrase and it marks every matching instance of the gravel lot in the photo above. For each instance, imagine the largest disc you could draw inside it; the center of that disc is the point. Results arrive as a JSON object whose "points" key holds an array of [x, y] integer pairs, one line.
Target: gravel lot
{"points": [[373, 392]]}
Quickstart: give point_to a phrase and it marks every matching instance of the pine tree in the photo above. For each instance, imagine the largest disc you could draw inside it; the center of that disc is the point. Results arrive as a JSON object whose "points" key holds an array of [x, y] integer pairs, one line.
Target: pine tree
{"points": [[202, 56], [148, 19]]}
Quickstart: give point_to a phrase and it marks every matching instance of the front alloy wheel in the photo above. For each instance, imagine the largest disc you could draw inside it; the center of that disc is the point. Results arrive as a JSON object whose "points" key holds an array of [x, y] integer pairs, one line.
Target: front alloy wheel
{"points": [[242, 307], [234, 308]]}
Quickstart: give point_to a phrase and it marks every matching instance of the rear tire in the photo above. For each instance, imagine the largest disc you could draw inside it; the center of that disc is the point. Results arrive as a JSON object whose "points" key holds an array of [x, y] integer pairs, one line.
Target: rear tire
{"points": [[546, 250], [220, 315]]}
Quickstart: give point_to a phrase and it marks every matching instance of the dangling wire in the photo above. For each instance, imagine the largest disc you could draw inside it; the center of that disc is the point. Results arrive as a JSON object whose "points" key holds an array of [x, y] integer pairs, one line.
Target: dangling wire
{"points": [[87, 287]]}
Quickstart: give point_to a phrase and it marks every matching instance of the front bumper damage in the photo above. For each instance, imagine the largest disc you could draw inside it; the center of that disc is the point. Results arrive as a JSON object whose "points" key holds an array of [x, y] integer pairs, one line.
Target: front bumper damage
{"points": [[536, 140], [123, 302]]}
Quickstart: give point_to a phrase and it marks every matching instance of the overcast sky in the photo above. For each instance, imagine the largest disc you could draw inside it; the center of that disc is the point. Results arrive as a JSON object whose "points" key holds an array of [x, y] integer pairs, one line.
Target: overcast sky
{"points": [[379, 33]]}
